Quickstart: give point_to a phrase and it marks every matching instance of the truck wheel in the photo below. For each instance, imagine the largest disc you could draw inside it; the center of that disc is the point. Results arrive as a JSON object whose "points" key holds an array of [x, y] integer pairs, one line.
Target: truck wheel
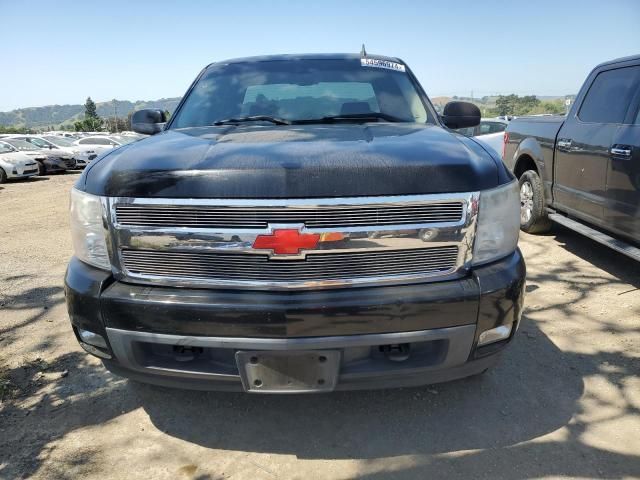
{"points": [[533, 216], [3, 176]]}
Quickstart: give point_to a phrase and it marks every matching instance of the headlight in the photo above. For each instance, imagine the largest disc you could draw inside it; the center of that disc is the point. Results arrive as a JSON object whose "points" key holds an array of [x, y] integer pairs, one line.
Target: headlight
{"points": [[87, 231], [12, 161], [498, 223]]}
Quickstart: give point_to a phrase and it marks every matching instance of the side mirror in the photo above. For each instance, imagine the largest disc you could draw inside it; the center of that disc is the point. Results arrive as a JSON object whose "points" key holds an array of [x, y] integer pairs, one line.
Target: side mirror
{"points": [[148, 121], [460, 115]]}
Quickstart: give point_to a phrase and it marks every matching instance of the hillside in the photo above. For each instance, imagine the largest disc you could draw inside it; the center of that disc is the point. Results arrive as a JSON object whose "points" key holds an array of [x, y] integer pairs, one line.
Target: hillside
{"points": [[58, 115], [491, 106]]}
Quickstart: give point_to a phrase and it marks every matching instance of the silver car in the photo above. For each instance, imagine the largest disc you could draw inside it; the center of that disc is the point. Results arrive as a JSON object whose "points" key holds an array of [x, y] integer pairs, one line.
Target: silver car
{"points": [[14, 164]]}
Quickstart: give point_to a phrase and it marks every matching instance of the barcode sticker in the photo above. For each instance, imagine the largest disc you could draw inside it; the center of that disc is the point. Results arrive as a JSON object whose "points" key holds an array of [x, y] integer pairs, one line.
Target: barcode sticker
{"points": [[375, 63]]}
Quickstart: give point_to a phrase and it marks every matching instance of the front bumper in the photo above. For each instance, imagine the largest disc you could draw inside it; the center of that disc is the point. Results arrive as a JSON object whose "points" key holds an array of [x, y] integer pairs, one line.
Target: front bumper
{"points": [[54, 165], [22, 171], [144, 326]]}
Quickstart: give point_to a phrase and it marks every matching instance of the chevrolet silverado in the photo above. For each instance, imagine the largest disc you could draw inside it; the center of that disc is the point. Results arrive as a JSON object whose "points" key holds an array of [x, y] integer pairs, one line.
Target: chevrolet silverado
{"points": [[302, 223]]}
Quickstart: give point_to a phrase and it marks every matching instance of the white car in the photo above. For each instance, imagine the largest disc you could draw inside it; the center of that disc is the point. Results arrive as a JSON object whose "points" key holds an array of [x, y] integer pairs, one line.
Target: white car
{"points": [[72, 157], [103, 143], [71, 135], [490, 132], [15, 164]]}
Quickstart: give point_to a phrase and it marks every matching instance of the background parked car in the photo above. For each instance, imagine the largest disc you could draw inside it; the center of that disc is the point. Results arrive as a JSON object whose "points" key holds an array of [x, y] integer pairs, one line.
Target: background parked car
{"points": [[63, 153], [14, 164], [71, 135], [102, 143], [82, 153], [48, 161], [490, 132]]}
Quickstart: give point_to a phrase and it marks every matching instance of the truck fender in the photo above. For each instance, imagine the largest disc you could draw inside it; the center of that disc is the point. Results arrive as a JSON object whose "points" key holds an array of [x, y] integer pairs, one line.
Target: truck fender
{"points": [[529, 156], [528, 150]]}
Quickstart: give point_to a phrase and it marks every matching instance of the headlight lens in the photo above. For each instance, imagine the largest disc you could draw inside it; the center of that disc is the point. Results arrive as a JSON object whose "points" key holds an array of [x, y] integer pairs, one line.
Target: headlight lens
{"points": [[498, 223], [12, 161], [87, 231]]}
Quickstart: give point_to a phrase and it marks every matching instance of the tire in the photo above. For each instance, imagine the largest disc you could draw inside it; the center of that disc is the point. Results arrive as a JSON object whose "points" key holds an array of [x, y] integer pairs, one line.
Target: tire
{"points": [[533, 214], [3, 176], [42, 170]]}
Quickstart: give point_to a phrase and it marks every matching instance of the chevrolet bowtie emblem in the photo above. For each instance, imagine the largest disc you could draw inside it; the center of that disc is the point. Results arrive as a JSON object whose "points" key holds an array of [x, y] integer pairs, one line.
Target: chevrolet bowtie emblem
{"points": [[287, 241]]}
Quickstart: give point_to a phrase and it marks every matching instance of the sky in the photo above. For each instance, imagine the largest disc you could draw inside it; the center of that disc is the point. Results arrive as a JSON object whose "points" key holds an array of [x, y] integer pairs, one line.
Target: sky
{"points": [[60, 52]]}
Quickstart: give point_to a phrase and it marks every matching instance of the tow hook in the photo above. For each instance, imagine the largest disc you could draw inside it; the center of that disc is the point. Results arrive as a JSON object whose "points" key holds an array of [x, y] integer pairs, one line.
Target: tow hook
{"points": [[186, 354], [397, 352]]}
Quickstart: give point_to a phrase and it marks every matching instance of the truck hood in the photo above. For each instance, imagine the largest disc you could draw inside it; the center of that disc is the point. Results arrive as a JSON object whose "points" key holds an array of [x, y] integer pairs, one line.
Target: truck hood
{"points": [[298, 161]]}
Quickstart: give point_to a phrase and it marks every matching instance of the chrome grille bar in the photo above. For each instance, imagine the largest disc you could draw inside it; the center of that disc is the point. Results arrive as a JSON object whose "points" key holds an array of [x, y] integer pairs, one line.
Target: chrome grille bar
{"points": [[260, 217], [221, 267]]}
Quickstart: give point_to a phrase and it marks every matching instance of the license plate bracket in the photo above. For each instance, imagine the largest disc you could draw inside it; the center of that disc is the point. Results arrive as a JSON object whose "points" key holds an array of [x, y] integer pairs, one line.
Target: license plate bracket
{"points": [[287, 371]]}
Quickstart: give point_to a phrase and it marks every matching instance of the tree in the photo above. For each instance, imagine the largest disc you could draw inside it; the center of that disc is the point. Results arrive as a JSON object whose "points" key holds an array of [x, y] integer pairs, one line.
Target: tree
{"points": [[118, 124], [92, 121], [90, 109], [506, 105]]}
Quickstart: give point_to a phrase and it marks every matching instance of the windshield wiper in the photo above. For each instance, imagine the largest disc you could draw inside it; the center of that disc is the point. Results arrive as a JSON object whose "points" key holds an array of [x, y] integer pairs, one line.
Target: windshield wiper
{"points": [[253, 118], [348, 117]]}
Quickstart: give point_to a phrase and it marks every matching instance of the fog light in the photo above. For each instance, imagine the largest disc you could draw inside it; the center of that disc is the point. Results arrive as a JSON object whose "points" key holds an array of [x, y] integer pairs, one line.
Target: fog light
{"points": [[93, 343], [92, 338], [494, 335]]}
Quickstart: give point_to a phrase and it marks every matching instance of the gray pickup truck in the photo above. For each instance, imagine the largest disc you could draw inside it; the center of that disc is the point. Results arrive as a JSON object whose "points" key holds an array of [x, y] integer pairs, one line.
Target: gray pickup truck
{"points": [[583, 170]]}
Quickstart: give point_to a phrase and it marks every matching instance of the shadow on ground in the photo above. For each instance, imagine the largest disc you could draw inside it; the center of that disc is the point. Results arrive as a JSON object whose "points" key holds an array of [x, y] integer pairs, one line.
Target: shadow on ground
{"points": [[482, 426], [604, 258], [36, 301]]}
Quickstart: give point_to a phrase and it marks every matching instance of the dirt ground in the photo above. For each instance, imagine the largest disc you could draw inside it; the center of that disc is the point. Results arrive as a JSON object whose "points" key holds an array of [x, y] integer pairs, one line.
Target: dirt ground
{"points": [[563, 403]]}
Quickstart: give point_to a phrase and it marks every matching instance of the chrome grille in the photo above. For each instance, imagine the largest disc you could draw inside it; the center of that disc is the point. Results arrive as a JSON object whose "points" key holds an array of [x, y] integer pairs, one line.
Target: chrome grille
{"points": [[312, 217], [362, 241], [316, 267]]}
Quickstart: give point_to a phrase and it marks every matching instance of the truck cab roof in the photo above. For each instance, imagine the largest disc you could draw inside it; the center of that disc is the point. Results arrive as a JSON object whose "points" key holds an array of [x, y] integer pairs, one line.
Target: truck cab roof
{"points": [[631, 58], [305, 56]]}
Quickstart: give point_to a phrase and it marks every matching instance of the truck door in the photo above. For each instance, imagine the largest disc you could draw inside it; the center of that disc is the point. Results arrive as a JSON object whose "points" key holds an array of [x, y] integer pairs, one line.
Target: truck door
{"points": [[622, 210], [584, 142]]}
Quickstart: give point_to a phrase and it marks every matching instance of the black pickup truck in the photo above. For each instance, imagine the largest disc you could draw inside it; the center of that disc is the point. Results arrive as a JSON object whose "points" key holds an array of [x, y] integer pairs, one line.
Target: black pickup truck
{"points": [[583, 171], [302, 223]]}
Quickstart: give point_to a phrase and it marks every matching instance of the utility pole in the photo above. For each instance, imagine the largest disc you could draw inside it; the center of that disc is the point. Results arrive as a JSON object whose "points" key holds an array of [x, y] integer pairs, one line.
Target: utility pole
{"points": [[115, 114]]}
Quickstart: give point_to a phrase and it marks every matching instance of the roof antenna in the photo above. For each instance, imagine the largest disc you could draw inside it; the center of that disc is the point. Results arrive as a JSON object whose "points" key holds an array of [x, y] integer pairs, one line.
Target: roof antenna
{"points": [[363, 52]]}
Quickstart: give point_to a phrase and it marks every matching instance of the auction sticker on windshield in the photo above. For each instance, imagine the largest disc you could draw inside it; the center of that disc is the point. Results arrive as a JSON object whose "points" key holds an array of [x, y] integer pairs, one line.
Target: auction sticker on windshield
{"points": [[374, 62]]}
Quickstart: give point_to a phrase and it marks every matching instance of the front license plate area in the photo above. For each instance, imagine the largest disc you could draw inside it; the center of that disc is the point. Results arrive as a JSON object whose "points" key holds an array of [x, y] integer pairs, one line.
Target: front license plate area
{"points": [[288, 372]]}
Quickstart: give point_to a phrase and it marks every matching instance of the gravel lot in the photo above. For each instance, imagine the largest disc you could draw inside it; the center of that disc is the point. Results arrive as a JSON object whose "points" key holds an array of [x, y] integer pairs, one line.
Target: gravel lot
{"points": [[563, 402]]}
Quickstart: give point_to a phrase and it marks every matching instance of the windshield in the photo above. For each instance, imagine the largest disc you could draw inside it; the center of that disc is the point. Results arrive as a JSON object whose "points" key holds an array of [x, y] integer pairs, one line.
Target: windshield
{"points": [[4, 148], [40, 142], [59, 141], [21, 144], [301, 90]]}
